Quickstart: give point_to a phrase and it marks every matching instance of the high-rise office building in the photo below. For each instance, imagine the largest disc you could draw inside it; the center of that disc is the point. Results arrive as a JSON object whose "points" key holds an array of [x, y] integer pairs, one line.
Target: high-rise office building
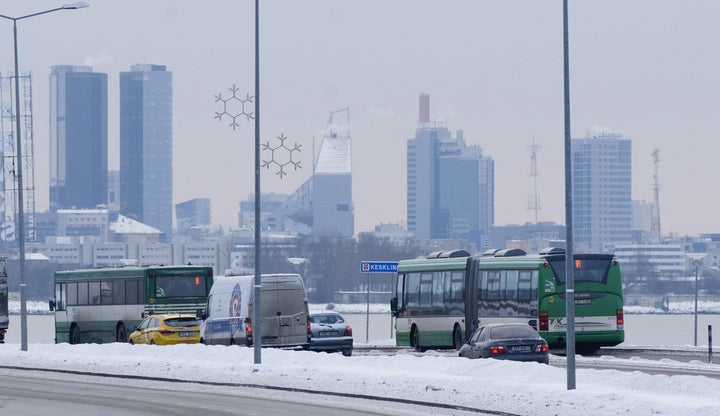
{"points": [[192, 213], [78, 137], [146, 145], [450, 185], [322, 206], [602, 191]]}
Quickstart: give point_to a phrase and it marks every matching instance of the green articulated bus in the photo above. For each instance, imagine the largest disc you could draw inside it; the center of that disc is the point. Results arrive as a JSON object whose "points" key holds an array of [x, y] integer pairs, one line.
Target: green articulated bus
{"points": [[105, 304], [441, 299]]}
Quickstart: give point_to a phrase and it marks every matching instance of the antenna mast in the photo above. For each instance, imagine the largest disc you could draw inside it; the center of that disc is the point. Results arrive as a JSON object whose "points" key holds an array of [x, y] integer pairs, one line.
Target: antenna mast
{"points": [[655, 235], [534, 200]]}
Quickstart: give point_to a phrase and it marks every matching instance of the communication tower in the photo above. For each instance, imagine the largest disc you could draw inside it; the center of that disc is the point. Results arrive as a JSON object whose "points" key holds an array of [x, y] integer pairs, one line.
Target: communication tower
{"points": [[8, 156], [655, 235], [534, 200]]}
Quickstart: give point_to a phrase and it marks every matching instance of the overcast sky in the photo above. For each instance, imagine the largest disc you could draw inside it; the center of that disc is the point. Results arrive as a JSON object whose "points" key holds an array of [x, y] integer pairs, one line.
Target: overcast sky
{"points": [[647, 69]]}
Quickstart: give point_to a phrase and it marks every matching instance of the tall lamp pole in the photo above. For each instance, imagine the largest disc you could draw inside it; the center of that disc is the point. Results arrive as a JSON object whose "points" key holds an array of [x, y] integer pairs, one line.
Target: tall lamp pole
{"points": [[569, 257], [697, 261], [19, 168], [257, 330]]}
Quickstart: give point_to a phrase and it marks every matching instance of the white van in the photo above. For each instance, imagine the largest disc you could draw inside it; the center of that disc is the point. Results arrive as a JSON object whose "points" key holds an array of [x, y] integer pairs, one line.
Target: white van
{"points": [[284, 311]]}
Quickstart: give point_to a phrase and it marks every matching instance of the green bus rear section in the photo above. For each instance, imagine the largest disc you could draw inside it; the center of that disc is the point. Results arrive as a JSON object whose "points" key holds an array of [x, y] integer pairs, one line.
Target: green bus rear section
{"points": [[99, 323], [596, 304], [606, 300]]}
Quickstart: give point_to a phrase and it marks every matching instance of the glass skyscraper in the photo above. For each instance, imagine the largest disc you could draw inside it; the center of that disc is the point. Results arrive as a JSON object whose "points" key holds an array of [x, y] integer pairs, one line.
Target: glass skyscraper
{"points": [[78, 137], [450, 186], [146, 146]]}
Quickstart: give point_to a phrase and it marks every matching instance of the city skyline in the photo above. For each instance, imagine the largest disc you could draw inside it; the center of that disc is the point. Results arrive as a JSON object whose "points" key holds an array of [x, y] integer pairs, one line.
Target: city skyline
{"points": [[494, 70]]}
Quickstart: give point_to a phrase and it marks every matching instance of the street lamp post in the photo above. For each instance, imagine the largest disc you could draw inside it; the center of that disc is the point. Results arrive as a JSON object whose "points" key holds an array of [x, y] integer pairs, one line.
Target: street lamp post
{"points": [[569, 242], [697, 261], [19, 168]]}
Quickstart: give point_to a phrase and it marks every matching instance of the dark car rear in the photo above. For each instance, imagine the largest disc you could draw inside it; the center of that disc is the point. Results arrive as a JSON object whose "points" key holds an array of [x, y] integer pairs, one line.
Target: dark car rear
{"points": [[506, 341]]}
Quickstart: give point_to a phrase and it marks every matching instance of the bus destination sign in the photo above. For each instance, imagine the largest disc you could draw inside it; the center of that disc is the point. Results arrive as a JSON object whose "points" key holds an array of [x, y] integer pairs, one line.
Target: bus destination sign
{"points": [[378, 266]]}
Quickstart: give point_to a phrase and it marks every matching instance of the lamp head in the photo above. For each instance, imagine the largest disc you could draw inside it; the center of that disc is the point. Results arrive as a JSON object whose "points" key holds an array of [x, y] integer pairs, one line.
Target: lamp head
{"points": [[76, 5], [696, 257]]}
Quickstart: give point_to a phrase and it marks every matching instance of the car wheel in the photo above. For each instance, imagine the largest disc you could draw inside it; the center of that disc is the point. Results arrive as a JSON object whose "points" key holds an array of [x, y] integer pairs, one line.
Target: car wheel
{"points": [[152, 342], [457, 337], [74, 335], [121, 334], [347, 353], [131, 341]]}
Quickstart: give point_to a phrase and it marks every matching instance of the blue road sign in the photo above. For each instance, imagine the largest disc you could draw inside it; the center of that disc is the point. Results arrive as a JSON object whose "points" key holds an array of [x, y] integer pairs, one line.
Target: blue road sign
{"points": [[378, 266]]}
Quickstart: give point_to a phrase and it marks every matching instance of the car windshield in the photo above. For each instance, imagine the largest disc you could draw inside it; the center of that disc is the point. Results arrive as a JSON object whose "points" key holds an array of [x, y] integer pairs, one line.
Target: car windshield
{"points": [[326, 319], [182, 321], [509, 332]]}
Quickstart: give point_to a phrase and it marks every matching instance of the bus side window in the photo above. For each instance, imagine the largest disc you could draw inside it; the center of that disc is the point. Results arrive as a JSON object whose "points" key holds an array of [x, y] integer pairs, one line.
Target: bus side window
{"points": [[94, 293], [133, 292], [524, 286], [82, 293], [413, 290], [118, 292], [72, 294], [106, 293]]}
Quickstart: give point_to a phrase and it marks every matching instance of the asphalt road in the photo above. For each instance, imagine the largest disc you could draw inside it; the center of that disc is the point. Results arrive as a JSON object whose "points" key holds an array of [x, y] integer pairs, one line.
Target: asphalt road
{"points": [[32, 393]]}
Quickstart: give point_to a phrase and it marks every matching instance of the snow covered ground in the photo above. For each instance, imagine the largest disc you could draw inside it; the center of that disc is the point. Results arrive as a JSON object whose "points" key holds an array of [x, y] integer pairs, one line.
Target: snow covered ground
{"points": [[515, 388]]}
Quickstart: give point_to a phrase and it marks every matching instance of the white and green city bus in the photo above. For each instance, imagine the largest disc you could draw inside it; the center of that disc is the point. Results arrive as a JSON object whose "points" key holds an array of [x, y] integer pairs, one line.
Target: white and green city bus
{"points": [[105, 304], [441, 299]]}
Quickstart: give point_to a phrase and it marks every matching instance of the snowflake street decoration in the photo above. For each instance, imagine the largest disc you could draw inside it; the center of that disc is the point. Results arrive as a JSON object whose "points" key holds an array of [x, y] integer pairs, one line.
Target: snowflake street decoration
{"points": [[281, 156], [234, 107]]}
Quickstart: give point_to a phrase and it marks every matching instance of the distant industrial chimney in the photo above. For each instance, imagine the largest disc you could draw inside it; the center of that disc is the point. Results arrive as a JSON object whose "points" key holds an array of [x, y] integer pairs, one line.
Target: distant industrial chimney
{"points": [[424, 108]]}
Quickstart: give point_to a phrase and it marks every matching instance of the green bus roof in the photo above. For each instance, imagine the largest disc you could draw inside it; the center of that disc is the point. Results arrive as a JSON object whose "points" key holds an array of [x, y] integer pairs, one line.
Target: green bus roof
{"points": [[123, 272]]}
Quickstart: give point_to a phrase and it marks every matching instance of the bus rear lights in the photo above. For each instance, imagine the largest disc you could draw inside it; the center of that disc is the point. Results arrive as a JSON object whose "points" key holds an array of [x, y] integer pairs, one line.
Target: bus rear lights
{"points": [[497, 349], [619, 316], [541, 348], [544, 322]]}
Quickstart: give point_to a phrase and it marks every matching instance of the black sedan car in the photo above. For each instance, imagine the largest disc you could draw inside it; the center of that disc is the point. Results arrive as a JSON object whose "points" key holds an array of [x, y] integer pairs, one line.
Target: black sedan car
{"points": [[330, 333], [506, 341]]}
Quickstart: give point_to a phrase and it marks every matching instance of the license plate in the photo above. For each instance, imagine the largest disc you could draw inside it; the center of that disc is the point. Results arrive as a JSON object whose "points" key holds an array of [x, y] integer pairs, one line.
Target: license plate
{"points": [[187, 333], [521, 348], [327, 333], [582, 301]]}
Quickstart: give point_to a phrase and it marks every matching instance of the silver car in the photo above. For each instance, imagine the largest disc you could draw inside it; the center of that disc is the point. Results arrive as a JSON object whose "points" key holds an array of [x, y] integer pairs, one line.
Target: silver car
{"points": [[330, 333]]}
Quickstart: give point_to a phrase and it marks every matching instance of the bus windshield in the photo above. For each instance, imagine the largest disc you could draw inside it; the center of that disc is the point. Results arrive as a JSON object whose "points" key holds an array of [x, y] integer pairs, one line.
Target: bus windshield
{"points": [[180, 286], [593, 270]]}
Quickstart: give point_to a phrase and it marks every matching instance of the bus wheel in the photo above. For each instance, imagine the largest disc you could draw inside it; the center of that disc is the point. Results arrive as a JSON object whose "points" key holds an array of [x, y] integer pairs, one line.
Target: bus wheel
{"points": [[74, 335], [121, 334], [457, 337], [415, 340]]}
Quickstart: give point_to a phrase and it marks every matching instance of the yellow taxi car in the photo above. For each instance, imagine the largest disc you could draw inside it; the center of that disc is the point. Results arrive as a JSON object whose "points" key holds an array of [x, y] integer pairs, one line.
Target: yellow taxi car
{"points": [[167, 329]]}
